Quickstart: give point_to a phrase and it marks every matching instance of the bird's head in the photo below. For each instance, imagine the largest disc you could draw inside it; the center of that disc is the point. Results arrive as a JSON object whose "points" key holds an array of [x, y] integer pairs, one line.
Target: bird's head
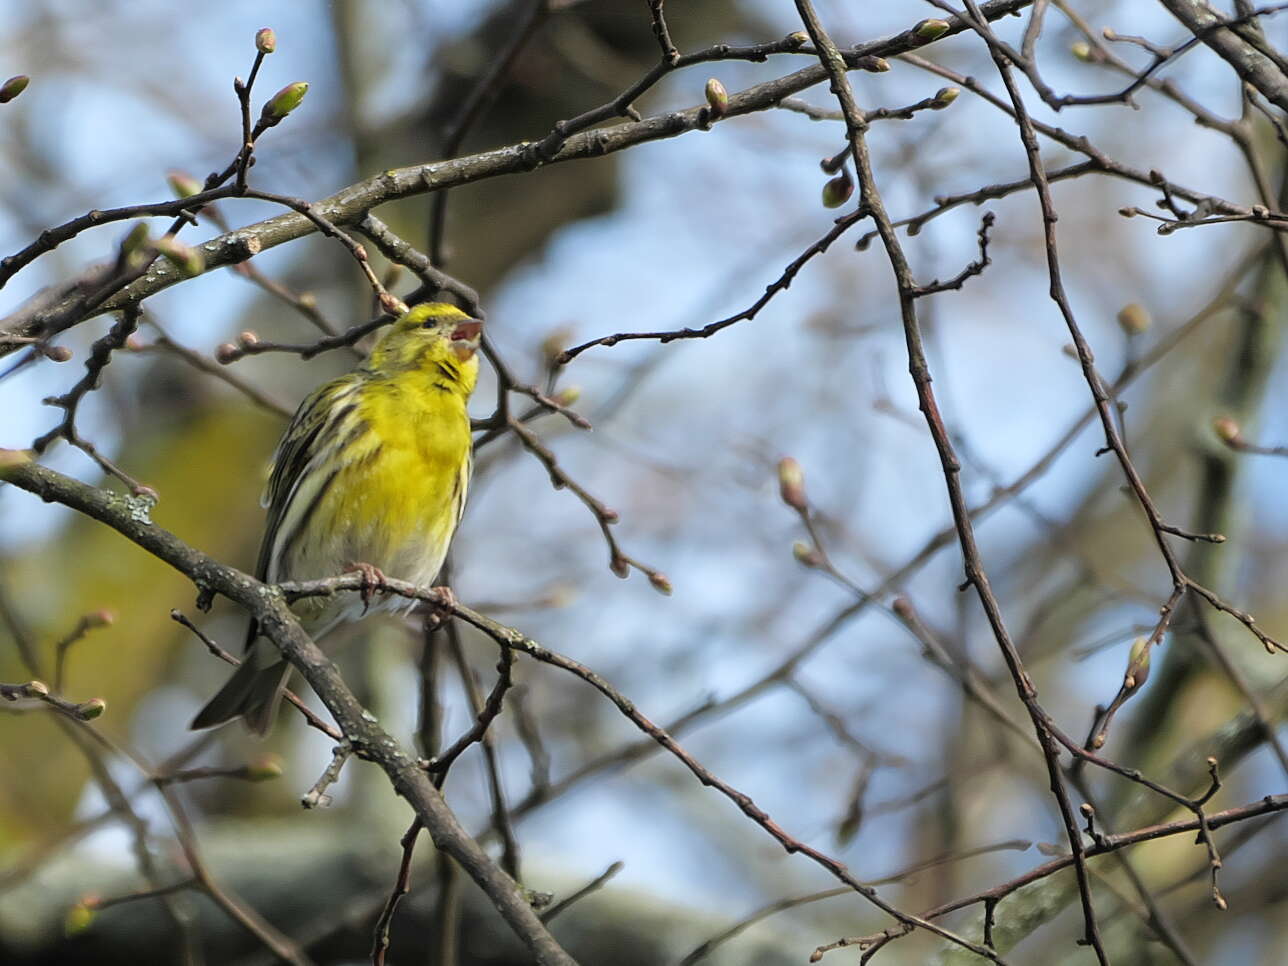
{"points": [[435, 337]]}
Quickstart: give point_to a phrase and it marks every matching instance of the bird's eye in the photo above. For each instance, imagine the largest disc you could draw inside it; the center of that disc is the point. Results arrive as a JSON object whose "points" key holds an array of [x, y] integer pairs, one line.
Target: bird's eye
{"points": [[430, 324]]}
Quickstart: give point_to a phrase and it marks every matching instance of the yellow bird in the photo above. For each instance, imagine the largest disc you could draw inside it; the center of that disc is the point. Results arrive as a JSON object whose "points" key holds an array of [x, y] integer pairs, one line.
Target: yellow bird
{"points": [[370, 475]]}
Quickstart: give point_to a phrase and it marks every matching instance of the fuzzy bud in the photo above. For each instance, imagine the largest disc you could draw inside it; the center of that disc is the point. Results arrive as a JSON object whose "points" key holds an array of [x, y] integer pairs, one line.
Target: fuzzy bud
{"points": [[226, 352], [14, 457], [1081, 50], [943, 97], [79, 917], [928, 30], [1134, 319], [791, 483], [58, 353], [100, 618], [717, 98], [136, 240], [91, 709], [265, 40], [248, 339], [13, 87], [1137, 665], [264, 768], [806, 555], [660, 583], [568, 395], [283, 102], [553, 345], [183, 184], [837, 191], [1227, 430], [188, 260], [797, 38]]}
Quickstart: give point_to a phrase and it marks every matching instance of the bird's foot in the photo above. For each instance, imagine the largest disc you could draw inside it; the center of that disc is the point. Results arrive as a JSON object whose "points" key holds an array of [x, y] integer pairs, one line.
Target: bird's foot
{"points": [[373, 581], [440, 611]]}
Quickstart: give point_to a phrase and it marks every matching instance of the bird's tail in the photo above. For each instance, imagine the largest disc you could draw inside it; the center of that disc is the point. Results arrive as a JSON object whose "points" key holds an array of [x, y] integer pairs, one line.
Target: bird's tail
{"points": [[252, 694]]}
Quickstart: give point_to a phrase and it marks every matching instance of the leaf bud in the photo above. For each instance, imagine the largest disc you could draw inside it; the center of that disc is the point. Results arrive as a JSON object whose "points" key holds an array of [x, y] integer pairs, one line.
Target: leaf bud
{"points": [[568, 395], [1227, 430], [791, 483], [283, 102], [943, 97], [797, 38], [1137, 665], [91, 709], [36, 689], [248, 339], [928, 30], [1134, 318], [188, 260], [226, 352], [806, 555], [183, 184], [13, 87], [265, 40], [619, 567], [100, 618], [1081, 50], [660, 583], [135, 240], [79, 917], [837, 191], [264, 768], [717, 98], [58, 353], [553, 345]]}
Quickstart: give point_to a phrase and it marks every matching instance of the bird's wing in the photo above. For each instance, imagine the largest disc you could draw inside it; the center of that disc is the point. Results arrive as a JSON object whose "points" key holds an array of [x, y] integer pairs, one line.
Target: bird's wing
{"points": [[307, 460]]}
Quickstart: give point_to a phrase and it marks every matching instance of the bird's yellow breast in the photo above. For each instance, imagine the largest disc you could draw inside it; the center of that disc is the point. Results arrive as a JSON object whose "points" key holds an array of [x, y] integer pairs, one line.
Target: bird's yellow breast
{"points": [[398, 496]]}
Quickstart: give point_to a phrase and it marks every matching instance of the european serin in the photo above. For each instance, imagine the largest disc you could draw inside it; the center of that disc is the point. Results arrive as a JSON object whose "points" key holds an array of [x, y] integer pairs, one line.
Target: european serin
{"points": [[371, 474]]}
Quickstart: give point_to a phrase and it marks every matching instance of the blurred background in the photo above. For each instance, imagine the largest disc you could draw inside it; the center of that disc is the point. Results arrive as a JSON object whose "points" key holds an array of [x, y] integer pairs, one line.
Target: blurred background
{"points": [[829, 715]]}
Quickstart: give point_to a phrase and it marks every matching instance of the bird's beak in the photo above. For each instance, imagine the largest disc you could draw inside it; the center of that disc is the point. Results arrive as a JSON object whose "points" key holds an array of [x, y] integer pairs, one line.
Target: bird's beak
{"points": [[465, 338]]}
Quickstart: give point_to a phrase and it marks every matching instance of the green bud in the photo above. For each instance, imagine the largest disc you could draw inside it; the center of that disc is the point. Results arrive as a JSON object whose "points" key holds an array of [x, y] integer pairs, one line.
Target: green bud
{"points": [[265, 40], [36, 689], [264, 768], [188, 260], [928, 30], [13, 87], [568, 395], [837, 191], [136, 240], [79, 917], [717, 98], [91, 709], [1081, 50], [1137, 665], [943, 97], [283, 102], [183, 184]]}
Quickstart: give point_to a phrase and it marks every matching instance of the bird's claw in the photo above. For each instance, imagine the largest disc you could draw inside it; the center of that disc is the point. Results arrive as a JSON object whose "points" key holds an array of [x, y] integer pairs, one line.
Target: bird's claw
{"points": [[440, 611], [373, 581]]}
